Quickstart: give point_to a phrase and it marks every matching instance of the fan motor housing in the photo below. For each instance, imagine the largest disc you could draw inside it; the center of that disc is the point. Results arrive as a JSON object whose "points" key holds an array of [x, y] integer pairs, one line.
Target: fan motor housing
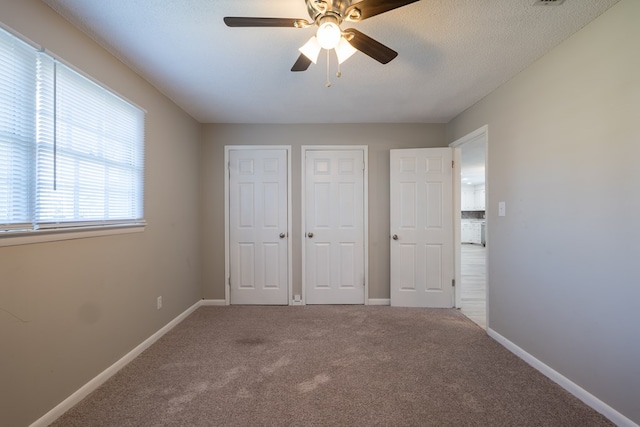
{"points": [[332, 7]]}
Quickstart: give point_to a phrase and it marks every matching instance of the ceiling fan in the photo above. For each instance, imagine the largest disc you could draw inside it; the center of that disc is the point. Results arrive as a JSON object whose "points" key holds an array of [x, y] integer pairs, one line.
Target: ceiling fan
{"points": [[328, 15]]}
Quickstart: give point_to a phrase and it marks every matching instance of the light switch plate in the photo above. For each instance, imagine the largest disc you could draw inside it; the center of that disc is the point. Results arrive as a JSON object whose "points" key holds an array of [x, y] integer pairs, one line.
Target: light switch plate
{"points": [[502, 209]]}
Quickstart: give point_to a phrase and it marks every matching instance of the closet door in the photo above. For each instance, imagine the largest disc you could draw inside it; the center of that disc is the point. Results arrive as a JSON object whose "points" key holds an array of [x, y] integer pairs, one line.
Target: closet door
{"points": [[334, 227], [258, 232]]}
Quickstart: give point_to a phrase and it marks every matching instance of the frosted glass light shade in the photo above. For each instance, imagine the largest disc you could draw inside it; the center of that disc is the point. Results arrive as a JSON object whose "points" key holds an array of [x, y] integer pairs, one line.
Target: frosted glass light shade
{"points": [[311, 49], [328, 35], [344, 50]]}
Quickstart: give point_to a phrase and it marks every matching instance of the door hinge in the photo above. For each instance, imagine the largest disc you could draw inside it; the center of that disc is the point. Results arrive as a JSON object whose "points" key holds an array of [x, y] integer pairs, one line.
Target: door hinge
{"points": [[453, 283], [453, 162], [229, 281]]}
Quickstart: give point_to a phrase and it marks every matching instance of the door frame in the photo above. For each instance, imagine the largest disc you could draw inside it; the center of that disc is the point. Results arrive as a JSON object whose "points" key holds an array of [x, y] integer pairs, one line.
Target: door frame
{"points": [[303, 156], [482, 132], [227, 267]]}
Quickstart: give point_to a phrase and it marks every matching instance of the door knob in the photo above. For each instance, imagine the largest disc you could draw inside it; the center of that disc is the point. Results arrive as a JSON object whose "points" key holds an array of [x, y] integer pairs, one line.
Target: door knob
{"points": [[309, 235], [282, 235], [395, 237]]}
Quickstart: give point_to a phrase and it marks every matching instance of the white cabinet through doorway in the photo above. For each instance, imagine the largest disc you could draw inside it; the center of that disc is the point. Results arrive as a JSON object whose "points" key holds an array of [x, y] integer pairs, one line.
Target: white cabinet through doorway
{"points": [[473, 197]]}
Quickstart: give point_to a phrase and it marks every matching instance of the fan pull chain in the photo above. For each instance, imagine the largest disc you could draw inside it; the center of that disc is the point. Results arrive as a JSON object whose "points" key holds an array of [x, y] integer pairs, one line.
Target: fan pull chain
{"points": [[338, 73], [328, 84]]}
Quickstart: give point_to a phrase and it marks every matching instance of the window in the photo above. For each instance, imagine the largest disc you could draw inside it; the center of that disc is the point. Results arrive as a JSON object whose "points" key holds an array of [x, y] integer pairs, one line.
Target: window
{"points": [[71, 152]]}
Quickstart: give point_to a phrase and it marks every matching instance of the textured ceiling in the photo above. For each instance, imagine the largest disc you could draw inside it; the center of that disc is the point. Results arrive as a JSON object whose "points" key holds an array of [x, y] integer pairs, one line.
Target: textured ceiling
{"points": [[451, 54]]}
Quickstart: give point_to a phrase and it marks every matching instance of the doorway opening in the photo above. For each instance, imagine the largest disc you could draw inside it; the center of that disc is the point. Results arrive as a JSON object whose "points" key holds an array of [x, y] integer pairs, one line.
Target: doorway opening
{"points": [[471, 235]]}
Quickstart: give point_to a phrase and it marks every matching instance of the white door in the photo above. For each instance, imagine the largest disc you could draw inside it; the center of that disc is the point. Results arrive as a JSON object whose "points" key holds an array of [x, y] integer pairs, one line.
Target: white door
{"points": [[258, 226], [421, 227], [334, 231]]}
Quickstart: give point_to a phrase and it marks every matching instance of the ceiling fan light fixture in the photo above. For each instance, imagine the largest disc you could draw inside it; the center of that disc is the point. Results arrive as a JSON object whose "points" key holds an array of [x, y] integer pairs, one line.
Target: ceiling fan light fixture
{"points": [[328, 15], [311, 49], [344, 50], [329, 35]]}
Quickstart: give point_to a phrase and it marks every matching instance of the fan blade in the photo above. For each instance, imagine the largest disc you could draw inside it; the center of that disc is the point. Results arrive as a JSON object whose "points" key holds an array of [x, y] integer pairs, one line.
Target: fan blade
{"points": [[369, 46], [239, 21], [301, 64], [368, 8]]}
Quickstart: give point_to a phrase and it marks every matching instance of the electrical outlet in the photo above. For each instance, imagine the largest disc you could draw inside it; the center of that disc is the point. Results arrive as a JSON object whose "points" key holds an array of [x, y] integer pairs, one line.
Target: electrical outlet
{"points": [[159, 302]]}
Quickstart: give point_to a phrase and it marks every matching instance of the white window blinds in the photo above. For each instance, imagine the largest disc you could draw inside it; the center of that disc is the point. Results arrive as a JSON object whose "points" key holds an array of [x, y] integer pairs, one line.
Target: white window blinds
{"points": [[71, 152], [90, 167], [18, 83]]}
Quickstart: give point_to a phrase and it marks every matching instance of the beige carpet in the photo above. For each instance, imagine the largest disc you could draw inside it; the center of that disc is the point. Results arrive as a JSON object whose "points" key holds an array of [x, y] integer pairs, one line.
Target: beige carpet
{"points": [[329, 365]]}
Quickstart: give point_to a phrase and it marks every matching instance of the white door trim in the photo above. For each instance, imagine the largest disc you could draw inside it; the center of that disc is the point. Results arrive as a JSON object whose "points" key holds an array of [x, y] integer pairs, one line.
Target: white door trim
{"points": [[482, 132], [227, 268], [303, 154]]}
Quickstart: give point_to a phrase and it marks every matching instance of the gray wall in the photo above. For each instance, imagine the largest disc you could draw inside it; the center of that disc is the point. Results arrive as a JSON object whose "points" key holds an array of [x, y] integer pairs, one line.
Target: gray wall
{"points": [[70, 309], [564, 270], [379, 137]]}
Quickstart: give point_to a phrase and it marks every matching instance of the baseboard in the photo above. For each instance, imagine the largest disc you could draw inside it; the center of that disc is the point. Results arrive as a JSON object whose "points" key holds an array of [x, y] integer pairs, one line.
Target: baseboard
{"points": [[96, 382], [564, 382], [207, 302], [379, 301]]}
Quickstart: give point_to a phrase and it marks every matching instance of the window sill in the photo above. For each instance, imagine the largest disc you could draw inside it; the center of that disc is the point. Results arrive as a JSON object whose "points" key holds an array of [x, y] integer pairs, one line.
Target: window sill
{"points": [[54, 235]]}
